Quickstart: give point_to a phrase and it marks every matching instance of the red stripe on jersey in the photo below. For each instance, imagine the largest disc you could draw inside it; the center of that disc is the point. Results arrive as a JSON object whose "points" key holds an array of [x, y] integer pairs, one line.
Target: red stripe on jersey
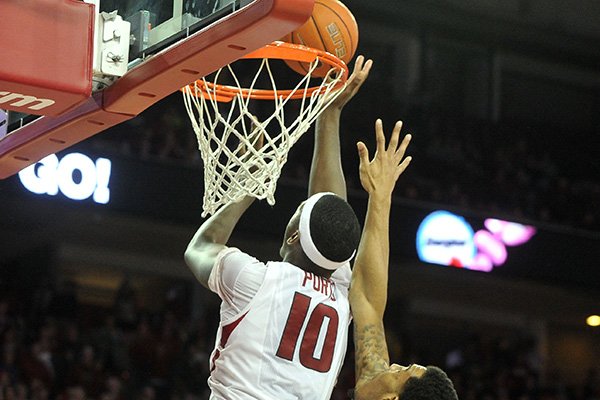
{"points": [[226, 331]]}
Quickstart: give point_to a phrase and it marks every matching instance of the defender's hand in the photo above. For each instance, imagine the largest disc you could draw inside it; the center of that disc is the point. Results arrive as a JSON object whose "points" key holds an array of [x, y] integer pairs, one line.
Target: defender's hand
{"points": [[380, 174]]}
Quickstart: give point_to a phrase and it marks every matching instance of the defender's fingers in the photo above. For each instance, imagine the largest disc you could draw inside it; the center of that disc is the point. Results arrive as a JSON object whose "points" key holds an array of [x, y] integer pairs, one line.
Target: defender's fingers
{"points": [[403, 165], [363, 153], [402, 149], [379, 136], [395, 136]]}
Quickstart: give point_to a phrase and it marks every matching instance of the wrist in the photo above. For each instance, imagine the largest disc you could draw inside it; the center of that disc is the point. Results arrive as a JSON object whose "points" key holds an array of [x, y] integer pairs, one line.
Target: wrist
{"points": [[381, 196], [332, 110]]}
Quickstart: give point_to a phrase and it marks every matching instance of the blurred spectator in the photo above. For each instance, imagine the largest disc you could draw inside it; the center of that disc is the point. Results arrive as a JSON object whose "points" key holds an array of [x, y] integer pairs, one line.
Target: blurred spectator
{"points": [[126, 306], [87, 373], [36, 366], [112, 347], [64, 303], [165, 359], [141, 351]]}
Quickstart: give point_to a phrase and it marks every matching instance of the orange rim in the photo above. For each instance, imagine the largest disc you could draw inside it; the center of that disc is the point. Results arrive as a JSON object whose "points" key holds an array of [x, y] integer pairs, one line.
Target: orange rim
{"points": [[276, 50]]}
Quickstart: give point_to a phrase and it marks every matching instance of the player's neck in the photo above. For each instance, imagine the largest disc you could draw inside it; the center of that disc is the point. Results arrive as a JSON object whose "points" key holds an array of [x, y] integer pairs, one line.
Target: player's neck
{"points": [[295, 257], [300, 260]]}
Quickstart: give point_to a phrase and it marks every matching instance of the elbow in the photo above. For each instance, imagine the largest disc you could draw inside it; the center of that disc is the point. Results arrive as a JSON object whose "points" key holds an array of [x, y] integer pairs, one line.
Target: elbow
{"points": [[195, 247], [187, 256], [358, 300], [355, 296], [363, 305], [190, 254]]}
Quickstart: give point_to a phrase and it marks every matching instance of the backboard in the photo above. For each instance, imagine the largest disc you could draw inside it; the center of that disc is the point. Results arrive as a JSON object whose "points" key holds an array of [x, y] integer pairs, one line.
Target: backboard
{"points": [[124, 55], [156, 24]]}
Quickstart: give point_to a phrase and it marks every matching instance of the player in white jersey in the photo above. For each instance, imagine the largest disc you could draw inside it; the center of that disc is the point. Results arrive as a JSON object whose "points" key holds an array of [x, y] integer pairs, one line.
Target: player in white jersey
{"points": [[283, 328]]}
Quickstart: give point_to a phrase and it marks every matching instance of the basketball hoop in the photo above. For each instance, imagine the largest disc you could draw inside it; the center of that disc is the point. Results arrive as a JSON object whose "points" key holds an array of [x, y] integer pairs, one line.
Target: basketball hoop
{"points": [[227, 131]]}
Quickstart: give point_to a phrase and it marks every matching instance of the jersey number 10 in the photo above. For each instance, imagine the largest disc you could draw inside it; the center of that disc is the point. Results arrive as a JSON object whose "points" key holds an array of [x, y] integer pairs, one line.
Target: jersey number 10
{"points": [[310, 339]]}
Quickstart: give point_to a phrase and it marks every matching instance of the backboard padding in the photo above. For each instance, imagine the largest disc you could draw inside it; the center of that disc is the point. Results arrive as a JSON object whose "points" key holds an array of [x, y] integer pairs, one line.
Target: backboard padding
{"points": [[220, 43], [47, 49]]}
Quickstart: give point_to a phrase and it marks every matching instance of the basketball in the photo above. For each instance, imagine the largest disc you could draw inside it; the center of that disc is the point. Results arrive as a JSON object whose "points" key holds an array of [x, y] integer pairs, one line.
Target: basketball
{"points": [[332, 28]]}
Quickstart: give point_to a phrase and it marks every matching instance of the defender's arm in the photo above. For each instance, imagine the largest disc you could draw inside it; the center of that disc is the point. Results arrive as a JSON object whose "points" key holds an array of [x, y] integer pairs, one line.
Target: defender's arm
{"points": [[368, 292]]}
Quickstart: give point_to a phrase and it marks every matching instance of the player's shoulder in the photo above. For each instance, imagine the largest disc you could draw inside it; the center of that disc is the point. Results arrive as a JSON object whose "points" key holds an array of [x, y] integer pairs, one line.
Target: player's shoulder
{"points": [[342, 275], [233, 255], [232, 260]]}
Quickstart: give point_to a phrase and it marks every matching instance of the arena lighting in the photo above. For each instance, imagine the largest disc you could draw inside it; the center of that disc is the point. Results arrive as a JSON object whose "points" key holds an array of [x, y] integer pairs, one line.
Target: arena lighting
{"points": [[448, 239], [593, 320], [76, 176]]}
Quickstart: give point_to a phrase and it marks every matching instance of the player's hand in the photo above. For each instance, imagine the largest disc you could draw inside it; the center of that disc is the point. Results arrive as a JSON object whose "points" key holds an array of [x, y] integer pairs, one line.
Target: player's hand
{"points": [[380, 174], [353, 84], [255, 138]]}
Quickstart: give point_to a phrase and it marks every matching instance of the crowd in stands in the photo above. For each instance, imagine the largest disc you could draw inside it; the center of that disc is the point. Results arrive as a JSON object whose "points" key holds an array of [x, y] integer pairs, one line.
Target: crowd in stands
{"points": [[79, 352], [499, 368], [53, 347], [512, 170]]}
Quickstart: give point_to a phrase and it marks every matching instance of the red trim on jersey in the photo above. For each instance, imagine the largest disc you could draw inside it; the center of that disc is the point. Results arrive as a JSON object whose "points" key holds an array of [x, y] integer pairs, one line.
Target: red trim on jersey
{"points": [[226, 331]]}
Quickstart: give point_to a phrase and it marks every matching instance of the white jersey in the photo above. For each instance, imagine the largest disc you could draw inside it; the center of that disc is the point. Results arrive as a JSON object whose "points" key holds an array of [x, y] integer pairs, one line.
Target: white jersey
{"points": [[283, 331]]}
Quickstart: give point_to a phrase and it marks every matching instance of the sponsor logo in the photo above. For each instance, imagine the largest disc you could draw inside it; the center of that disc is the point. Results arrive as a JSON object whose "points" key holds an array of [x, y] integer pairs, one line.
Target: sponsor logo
{"points": [[448, 239], [23, 100]]}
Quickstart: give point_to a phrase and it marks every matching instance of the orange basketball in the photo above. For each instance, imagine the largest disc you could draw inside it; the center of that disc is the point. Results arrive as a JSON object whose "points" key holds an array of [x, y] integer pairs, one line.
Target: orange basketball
{"points": [[332, 28]]}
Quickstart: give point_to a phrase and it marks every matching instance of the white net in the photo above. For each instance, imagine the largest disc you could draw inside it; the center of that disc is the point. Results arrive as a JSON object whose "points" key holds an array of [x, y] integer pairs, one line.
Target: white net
{"points": [[235, 165]]}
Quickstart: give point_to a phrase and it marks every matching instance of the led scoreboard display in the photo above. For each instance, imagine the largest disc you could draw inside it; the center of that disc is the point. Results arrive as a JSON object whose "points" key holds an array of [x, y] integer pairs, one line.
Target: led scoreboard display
{"points": [[449, 239]]}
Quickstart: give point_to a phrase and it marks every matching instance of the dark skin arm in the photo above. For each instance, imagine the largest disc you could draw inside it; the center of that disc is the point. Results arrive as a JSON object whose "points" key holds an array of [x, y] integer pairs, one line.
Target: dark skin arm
{"points": [[326, 174], [212, 237], [214, 233]]}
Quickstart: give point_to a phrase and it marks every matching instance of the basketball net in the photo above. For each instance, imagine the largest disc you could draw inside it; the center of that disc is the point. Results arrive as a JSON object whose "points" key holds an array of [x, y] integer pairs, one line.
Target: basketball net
{"points": [[229, 135]]}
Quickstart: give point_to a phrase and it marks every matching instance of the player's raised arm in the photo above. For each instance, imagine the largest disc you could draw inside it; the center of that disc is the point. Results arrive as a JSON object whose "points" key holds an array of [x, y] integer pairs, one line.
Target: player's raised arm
{"points": [[214, 233], [326, 174], [211, 238], [368, 292]]}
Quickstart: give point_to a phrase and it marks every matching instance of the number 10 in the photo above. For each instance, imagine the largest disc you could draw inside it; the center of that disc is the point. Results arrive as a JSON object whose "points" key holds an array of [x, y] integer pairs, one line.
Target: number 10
{"points": [[308, 345]]}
